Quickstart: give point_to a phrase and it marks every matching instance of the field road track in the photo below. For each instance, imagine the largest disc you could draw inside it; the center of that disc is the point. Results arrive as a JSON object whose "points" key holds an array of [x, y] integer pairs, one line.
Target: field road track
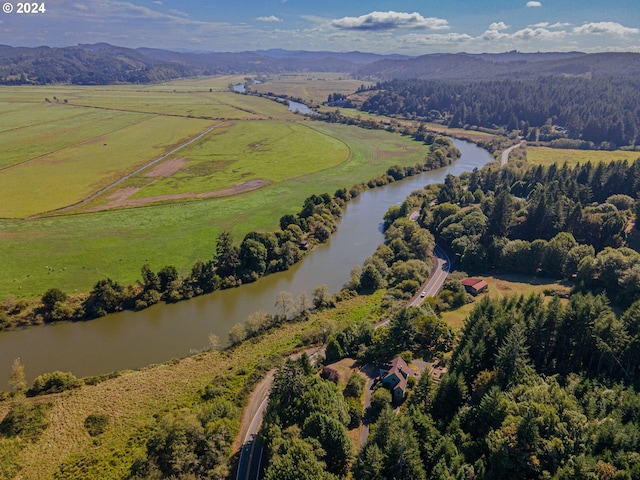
{"points": [[144, 167]]}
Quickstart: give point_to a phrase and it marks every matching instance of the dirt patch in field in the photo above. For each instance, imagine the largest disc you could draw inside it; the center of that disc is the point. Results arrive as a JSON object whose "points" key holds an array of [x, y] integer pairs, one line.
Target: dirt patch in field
{"points": [[92, 141], [121, 199], [123, 194], [167, 168]]}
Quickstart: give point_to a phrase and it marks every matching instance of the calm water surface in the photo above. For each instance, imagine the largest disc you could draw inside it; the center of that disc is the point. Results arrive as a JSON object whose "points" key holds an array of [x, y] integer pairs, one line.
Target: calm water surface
{"points": [[131, 340]]}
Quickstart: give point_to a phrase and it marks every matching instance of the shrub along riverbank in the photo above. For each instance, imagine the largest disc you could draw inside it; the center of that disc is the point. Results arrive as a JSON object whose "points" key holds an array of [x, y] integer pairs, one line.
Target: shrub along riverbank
{"points": [[258, 254]]}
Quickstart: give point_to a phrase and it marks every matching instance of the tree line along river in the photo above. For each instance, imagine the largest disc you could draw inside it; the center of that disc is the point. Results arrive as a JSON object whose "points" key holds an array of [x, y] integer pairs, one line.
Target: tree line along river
{"points": [[130, 340]]}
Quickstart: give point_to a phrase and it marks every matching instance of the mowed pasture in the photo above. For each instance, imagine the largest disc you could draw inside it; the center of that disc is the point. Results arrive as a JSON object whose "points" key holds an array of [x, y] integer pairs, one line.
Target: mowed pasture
{"points": [[72, 252], [548, 156], [184, 103], [312, 87], [68, 175], [239, 152], [63, 144]]}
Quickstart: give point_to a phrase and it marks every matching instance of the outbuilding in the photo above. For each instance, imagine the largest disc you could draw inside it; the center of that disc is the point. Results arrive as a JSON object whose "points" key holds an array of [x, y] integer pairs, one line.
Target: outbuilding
{"points": [[474, 286]]}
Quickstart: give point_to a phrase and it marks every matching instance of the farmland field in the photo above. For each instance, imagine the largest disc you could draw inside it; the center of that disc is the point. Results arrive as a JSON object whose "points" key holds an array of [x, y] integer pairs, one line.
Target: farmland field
{"points": [[312, 87], [548, 156], [243, 151], [54, 164], [68, 175]]}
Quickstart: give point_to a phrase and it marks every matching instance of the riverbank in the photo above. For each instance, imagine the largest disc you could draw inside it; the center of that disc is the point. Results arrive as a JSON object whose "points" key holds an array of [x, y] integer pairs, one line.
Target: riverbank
{"points": [[175, 330], [313, 225], [134, 401]]}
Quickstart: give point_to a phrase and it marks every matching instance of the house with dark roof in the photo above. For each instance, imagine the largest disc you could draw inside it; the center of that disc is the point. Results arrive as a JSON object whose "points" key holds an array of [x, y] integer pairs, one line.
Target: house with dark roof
{"points": [[474, 286], [394, 375]]}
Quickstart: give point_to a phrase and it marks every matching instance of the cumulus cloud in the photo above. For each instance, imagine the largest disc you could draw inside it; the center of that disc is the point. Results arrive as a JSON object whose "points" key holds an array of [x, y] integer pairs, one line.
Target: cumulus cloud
{"points": [[269, 19], [550, 25], [523, 35], [599, 28], [389, 21], [498, 26], [533, 4]]}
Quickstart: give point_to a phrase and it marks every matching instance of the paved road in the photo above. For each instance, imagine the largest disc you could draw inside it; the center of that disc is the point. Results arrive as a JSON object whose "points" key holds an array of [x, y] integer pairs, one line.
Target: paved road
{"points": [[251, 452], [504, 157], [434, 283]]}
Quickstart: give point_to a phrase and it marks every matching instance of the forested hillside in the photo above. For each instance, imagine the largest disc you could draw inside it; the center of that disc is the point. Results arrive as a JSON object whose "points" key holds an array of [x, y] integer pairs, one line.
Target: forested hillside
{"points": [[536, 388], [534, 391], [471, 67], [104, 64], [603, 112]]}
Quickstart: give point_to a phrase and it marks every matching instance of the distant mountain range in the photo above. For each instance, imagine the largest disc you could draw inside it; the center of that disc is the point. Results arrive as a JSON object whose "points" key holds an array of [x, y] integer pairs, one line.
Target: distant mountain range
{"points": [[464, 67], [101, 63]]}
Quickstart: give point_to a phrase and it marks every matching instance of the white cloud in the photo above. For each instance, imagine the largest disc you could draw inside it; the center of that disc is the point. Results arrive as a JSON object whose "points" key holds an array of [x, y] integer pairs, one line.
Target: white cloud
{"points": [[599, 28], [523, 35], [538, 34], [173, 11], [269, 19], [389, 21], [533, 4], [550, 25], [498, 26]]}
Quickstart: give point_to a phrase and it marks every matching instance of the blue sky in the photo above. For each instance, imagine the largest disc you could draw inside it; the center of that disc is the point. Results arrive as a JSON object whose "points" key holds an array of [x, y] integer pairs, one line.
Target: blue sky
{"points": [[406, 26]]}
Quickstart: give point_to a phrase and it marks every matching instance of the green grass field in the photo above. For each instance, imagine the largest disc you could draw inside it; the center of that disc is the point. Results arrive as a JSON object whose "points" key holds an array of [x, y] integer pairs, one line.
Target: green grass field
{"points": [[62, 144], [72, 252], [312, 86], [68, 175], [243, 151], [548, 156], [505, 285]]}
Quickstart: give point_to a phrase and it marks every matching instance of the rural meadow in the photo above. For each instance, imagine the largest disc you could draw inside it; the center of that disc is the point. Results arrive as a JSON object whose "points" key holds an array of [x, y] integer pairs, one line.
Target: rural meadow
{"points": [[256, 162]]}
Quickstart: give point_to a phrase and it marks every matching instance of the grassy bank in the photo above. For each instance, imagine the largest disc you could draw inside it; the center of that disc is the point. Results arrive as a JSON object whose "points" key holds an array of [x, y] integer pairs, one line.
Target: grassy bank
{"points": [[132, 401]]}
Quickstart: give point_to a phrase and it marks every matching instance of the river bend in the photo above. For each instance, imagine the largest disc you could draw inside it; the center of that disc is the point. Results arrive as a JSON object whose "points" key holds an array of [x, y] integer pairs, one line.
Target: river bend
{"points": [[130, 340]]}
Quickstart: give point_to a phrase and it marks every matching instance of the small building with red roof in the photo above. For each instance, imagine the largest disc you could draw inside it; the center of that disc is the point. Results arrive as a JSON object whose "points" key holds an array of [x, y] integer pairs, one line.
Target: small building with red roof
{"points": [[474, 286]]}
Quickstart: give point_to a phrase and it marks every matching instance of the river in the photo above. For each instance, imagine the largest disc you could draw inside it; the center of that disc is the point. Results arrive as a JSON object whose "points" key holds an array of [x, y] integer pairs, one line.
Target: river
{"points": [[130, 340]]}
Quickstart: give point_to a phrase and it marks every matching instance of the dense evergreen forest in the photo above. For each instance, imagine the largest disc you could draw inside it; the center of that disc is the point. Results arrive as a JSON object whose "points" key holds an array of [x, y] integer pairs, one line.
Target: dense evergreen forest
{"points": [[533, 391], [594, 112]]}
